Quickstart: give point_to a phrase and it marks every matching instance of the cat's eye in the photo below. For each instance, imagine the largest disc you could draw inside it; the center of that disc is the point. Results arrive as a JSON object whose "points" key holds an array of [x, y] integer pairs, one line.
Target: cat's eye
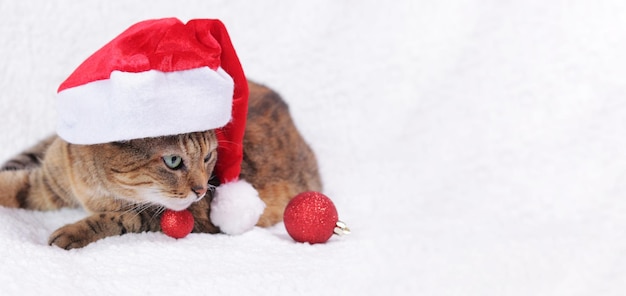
{"points": [[173, 162], [208, 157]]}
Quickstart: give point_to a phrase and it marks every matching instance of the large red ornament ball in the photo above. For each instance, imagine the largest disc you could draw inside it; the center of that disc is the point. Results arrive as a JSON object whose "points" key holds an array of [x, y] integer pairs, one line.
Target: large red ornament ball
{"points": [[310, 217], [177, 224]]}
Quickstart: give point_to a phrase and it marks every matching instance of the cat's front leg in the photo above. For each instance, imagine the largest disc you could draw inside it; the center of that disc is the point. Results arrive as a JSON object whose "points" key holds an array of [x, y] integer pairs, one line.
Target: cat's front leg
{"points": [[98, 226]]}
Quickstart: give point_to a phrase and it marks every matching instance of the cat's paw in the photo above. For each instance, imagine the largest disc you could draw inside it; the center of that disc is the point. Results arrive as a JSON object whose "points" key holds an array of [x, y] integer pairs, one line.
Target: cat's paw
{"points": [[72, 236]]}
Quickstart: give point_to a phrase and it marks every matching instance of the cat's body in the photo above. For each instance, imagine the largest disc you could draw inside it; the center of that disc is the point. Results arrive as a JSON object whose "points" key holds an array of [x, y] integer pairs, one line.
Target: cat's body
{"points": [[125, 185]]}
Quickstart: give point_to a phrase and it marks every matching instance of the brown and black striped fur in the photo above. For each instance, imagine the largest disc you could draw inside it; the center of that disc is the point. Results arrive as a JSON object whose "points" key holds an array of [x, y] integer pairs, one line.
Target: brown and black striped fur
{"points": [[111, 181]]}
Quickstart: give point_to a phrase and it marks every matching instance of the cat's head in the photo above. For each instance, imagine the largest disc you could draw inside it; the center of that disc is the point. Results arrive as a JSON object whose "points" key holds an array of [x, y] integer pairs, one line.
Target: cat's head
{"points": [[171, 171]]}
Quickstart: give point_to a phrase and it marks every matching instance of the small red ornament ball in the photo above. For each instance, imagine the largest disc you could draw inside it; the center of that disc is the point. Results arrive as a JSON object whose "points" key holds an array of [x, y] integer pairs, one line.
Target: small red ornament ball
{"points": [[310, 217], [177, 224]]}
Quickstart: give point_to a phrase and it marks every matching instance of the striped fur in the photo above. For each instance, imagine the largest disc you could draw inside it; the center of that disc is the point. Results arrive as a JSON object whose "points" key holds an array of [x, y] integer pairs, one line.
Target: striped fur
{"points": [[126, 185]]}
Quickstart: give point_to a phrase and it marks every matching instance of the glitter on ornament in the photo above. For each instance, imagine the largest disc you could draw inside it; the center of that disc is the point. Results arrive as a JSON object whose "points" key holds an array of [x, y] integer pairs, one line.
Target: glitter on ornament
{"points": [[312, 217], [177, 224]]}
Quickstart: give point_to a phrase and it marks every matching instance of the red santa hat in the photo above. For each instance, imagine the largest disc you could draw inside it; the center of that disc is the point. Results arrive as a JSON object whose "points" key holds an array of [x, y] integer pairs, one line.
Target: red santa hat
{"points": [[163, 77]]}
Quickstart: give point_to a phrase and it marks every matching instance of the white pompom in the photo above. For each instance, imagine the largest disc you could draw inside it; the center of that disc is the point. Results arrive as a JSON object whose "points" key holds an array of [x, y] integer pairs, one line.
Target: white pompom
{"points": [[236, 207]]}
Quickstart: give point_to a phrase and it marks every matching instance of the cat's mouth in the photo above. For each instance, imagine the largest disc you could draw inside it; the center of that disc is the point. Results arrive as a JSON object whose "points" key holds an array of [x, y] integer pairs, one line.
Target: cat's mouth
{"points": [[179, 204], [172, 203]]}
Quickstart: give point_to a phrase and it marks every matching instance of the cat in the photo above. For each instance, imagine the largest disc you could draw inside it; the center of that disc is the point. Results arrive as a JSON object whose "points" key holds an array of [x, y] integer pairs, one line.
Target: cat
{"points": [[123, 185]]}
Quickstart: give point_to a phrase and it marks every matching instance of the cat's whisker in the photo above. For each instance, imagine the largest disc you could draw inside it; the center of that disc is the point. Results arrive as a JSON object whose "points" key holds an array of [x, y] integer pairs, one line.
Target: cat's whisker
{"points": [[134, 209], [142, 207], [225, 147], [137, 208], [211, 188], [157, 213]]}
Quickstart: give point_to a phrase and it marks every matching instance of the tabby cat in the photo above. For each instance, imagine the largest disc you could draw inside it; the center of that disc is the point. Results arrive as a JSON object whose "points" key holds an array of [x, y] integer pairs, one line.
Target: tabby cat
{"points": [[124, 186]]}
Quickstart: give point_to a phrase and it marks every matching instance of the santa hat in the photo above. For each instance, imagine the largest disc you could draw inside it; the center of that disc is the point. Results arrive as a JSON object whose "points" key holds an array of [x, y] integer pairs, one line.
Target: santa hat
{"points": [[163, 77]]}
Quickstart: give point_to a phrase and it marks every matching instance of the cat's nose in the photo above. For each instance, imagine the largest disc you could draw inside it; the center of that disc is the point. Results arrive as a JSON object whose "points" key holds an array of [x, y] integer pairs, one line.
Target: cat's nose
{"points": [[200, 191]]}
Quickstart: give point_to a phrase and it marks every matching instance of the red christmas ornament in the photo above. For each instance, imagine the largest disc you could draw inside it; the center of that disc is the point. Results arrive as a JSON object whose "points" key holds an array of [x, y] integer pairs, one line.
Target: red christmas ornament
{"points": [[177, 224], [312, 217]]}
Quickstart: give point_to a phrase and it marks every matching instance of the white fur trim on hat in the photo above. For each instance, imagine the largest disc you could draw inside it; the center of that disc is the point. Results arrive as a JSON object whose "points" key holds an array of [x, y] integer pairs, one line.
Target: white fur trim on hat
{"points": [[236, 207], [145, 104]]}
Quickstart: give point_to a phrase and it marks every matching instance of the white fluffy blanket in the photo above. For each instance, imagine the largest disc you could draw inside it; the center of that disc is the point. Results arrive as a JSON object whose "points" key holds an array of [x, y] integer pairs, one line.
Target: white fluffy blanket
{"points": [[474, 147]]}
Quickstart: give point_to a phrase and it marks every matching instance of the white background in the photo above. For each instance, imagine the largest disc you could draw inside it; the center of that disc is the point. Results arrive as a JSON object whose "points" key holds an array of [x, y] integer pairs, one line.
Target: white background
{"points": [[474, 147]]}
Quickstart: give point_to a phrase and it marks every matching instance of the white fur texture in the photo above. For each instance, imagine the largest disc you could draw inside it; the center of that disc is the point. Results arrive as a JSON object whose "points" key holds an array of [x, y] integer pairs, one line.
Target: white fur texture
{"points": [[146, 104], [236, 207], [156, 196]]}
